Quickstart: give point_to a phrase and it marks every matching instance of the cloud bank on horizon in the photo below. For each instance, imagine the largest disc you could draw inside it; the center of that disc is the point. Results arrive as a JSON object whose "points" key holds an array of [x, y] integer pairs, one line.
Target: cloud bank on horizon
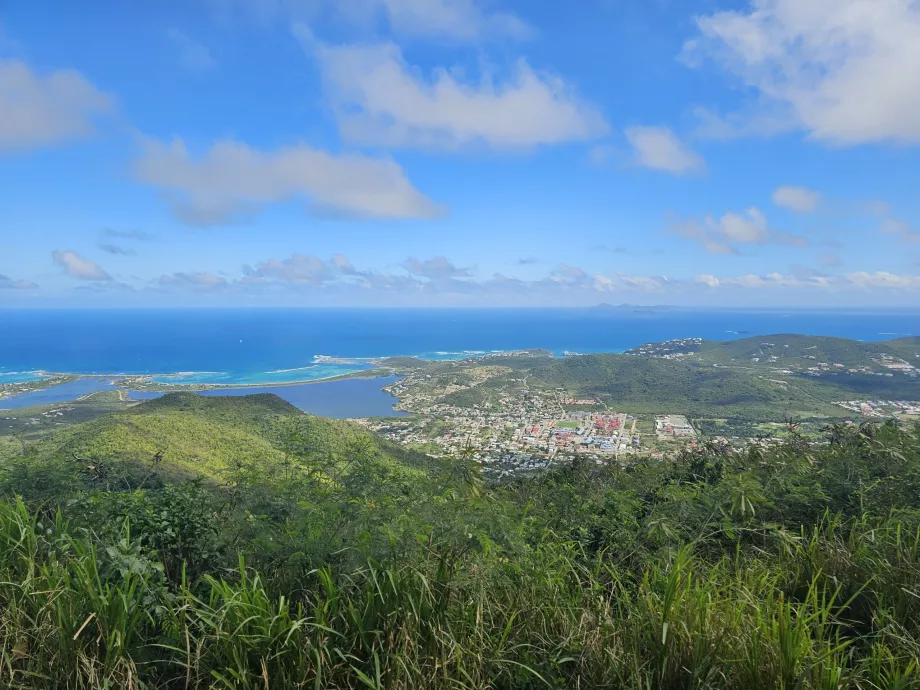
{"points": [[461, 153]]}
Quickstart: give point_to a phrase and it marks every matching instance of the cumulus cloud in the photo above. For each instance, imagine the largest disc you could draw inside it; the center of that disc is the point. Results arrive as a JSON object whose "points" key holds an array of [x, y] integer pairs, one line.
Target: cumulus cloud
{"points": [[862, 280], [302, 269], [451, 20], [723, 235], [846, 71], [573, 278], [457, 20], [770, 280], [660, 149], [231, 179], [76, 266], [798, 199], [44, 110], [900, 229], [379, 99], [116, 250], [437, 268], [195, 281], [128, 235], [440, 281], [7, 283], [194, 56], [884, 279]]}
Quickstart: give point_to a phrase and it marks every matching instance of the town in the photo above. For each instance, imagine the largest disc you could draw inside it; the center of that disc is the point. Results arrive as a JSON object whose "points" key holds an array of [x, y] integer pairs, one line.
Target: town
{"points": [[525, 430]]}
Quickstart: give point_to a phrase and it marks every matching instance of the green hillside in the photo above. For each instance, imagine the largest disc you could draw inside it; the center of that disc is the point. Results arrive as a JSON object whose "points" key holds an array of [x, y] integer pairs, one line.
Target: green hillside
{"points": [[793, 566], [790, 348], [198, 435], [647, 384], [908, 348]]}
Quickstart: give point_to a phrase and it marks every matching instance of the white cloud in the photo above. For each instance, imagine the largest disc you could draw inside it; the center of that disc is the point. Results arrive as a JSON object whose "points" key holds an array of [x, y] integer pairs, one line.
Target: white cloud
{"points": [[7, 283], [770, 280], [847, 71], [884, 279], [900, 229], [658, 148], [452, 20], [574, 278], [44, 110], [799, 199], [232, 177], [380, 99], [708, 279], [437, 268], [193, 55], [440, 281], [458, 20], [76, 266], [302, 269], [116, 250], [723, 235], [812, 279], [197, 281]]}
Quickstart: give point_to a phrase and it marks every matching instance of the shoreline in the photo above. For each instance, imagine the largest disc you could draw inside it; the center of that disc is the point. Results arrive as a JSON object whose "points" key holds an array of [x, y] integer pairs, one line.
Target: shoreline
{"points": [[379, 369]]}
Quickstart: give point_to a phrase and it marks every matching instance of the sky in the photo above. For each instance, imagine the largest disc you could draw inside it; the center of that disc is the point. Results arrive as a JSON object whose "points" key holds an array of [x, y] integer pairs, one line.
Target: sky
{"points": [[460, 153]]}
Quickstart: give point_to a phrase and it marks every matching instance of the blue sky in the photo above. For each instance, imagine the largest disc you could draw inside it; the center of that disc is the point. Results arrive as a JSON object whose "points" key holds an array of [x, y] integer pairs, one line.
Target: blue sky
{"points": [[460, 152]]}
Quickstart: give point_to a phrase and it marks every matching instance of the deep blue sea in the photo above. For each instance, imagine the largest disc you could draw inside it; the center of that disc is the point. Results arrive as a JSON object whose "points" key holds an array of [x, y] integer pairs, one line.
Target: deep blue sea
{"points": [[264, 346]]}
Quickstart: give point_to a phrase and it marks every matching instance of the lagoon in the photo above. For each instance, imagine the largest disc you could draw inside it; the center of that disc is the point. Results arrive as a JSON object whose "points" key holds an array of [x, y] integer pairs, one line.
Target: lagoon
{"points": [[343, 399]]}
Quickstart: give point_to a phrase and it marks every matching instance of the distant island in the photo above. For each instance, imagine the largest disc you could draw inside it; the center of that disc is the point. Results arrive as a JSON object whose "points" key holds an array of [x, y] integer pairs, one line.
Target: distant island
{"points": [[635, 308]]}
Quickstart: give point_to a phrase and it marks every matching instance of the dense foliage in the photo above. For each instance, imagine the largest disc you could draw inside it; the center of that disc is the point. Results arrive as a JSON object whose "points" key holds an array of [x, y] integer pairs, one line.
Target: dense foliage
{"points": [[652, 385], [797, 566]]}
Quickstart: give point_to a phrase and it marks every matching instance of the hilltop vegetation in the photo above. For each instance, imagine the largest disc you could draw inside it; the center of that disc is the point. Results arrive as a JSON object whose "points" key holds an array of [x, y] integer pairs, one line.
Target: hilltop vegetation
{"points": [[646, 384], [649, 385], [767, 378], [181, 436], [341, 563]]}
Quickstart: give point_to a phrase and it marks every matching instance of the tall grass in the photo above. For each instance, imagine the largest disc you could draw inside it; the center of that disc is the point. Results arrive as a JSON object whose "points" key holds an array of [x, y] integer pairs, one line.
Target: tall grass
{"points": [[798, 569], [832, 608]]}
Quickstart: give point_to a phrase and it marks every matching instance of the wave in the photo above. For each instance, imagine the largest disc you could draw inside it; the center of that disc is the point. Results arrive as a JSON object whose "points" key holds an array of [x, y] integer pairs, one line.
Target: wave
{"points": [[195, 373], [287, 371]]}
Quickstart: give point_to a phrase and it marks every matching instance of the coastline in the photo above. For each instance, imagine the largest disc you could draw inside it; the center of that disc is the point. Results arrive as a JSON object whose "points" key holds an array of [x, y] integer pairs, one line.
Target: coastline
{"points": [[378, 368]]}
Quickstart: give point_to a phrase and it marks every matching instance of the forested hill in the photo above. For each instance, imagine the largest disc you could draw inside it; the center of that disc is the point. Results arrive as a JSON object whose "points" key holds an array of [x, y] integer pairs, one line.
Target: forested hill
{"points": [[762, 378], [183, 435], [786, 348], [655, 384]]}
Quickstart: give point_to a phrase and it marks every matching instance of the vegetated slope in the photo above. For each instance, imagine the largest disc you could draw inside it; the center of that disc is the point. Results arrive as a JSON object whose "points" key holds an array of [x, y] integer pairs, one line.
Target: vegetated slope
{"points": [[908, 348], [659, 384], [788, 347], [206, 435], [785, 349], [794, 566]]}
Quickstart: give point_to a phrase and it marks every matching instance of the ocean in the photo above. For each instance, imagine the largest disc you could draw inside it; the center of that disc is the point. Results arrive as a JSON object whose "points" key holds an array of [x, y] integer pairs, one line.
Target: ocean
{"points": [[257, 347], [238, 347]]}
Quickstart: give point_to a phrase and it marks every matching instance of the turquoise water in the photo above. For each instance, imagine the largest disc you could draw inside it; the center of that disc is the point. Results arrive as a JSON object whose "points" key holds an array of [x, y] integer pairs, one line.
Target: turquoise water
{"points": [[60, 393], [20, 376], [269, 346]]}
